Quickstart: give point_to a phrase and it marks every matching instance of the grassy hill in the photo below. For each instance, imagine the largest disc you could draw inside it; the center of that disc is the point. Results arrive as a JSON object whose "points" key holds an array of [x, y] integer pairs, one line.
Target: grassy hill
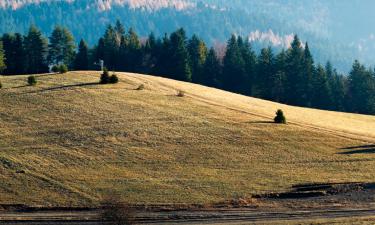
{"points": [[69, 141]]}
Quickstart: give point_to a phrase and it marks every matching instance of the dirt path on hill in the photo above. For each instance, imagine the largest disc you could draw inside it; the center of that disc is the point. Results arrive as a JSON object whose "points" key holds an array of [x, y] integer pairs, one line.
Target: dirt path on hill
{"points": [[303, 202], [234, 216]]}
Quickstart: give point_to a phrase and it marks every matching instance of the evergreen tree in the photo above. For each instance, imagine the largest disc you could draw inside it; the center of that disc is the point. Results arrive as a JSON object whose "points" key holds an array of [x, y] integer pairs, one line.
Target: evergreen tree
{"points": [[19, 54], [2, 58], [278, 80], [8, 54], [179, 68], [35, 51], [119, 29], [361, 90], [198, 53], [82, 58], [150, 54], [234, 74], [133, 52], [249, 58], [308, 70], [211, 70], [111, 47], [99, 50], [61, 47], [322, 92], [265, 73], [162, 66], [295, 87]]}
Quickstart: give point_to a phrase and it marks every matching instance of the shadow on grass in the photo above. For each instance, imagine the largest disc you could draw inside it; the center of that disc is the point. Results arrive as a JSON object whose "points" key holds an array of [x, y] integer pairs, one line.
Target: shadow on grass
{"points": [[261, 122], [362, 149], [64, 87]]}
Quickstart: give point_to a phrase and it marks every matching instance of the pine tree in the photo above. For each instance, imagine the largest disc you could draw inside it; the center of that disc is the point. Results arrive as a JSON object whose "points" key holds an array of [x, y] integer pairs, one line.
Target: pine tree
{"points": [[322, 92], [295, 87], [265, 73], [308, 70], [179, 67], [280, 118], [35, 51], [61, 47], [198, 53], [133, 52], [82, 58], [162, 65], [8, 57], [111, 46], [234, 74], [361, 90], [19, 54], [211, 70], [278, 80], [249, 76], [149, 55], [2, 58]]}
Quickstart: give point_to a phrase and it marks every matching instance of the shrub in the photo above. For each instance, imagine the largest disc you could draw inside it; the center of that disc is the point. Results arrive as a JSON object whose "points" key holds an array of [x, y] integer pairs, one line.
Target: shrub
{"points": [[280, 118], [141, 87], [180, 93], [55, 68], [31, 80], [63, 68], [104, 78], [1, 85], [113, 79], [117, 213]]}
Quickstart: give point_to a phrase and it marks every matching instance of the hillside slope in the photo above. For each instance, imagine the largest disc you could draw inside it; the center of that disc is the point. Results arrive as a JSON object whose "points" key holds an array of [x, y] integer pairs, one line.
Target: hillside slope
{"points": [[69, 141]]}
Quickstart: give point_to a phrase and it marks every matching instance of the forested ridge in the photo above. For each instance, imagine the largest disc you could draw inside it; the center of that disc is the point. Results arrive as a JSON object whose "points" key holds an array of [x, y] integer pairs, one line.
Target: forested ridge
{"points": [[288, 76]]}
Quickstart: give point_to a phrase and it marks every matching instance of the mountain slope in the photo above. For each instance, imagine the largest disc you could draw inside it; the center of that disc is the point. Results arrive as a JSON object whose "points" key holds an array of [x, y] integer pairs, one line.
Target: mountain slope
{"points": [[69, 141], [336, 30]]}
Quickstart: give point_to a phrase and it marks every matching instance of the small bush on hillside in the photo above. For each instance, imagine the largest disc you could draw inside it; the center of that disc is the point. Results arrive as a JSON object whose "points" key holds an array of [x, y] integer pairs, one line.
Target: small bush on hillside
{"points": [[280, 118], [180, 93], [113, 79], [104, 78], [141, 87], [117, 213], [31, 80], [55, 68], [1, 85], [63, 68]]}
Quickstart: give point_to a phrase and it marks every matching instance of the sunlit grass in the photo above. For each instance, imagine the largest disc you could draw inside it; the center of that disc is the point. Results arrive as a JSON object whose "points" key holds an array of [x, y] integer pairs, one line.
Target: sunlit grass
{"points": [[78, 141]]}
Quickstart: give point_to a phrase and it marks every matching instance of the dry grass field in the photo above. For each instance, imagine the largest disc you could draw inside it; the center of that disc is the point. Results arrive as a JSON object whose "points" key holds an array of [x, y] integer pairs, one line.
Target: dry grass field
{"points": [[68, 142]]}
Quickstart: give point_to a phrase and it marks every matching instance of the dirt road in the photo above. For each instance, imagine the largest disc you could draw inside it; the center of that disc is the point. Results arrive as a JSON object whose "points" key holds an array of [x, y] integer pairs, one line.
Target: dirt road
{"points": [[234, 216]]}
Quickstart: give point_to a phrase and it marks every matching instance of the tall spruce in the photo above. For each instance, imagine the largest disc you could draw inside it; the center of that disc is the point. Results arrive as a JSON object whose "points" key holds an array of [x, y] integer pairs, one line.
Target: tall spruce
{"points": [[234, 74], [2, 58], [361, 90], [179, 67], [211, 71], [111, 45], [198, 53], [133, 52], [249, 58], [322, 92], [81, 61], [36, 51], [278, 80], [295, 87], [308, 70], [265, 73], [8, 42], [61, 47]]}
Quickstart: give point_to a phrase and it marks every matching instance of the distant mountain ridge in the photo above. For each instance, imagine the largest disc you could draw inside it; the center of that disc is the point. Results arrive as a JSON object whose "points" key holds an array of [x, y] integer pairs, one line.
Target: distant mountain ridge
{"points": [[340, 31], [104, 5]]}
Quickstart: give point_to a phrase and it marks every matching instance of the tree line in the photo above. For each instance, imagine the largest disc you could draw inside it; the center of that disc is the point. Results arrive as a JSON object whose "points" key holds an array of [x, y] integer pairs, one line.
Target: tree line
{"points": [[290, 76]]}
